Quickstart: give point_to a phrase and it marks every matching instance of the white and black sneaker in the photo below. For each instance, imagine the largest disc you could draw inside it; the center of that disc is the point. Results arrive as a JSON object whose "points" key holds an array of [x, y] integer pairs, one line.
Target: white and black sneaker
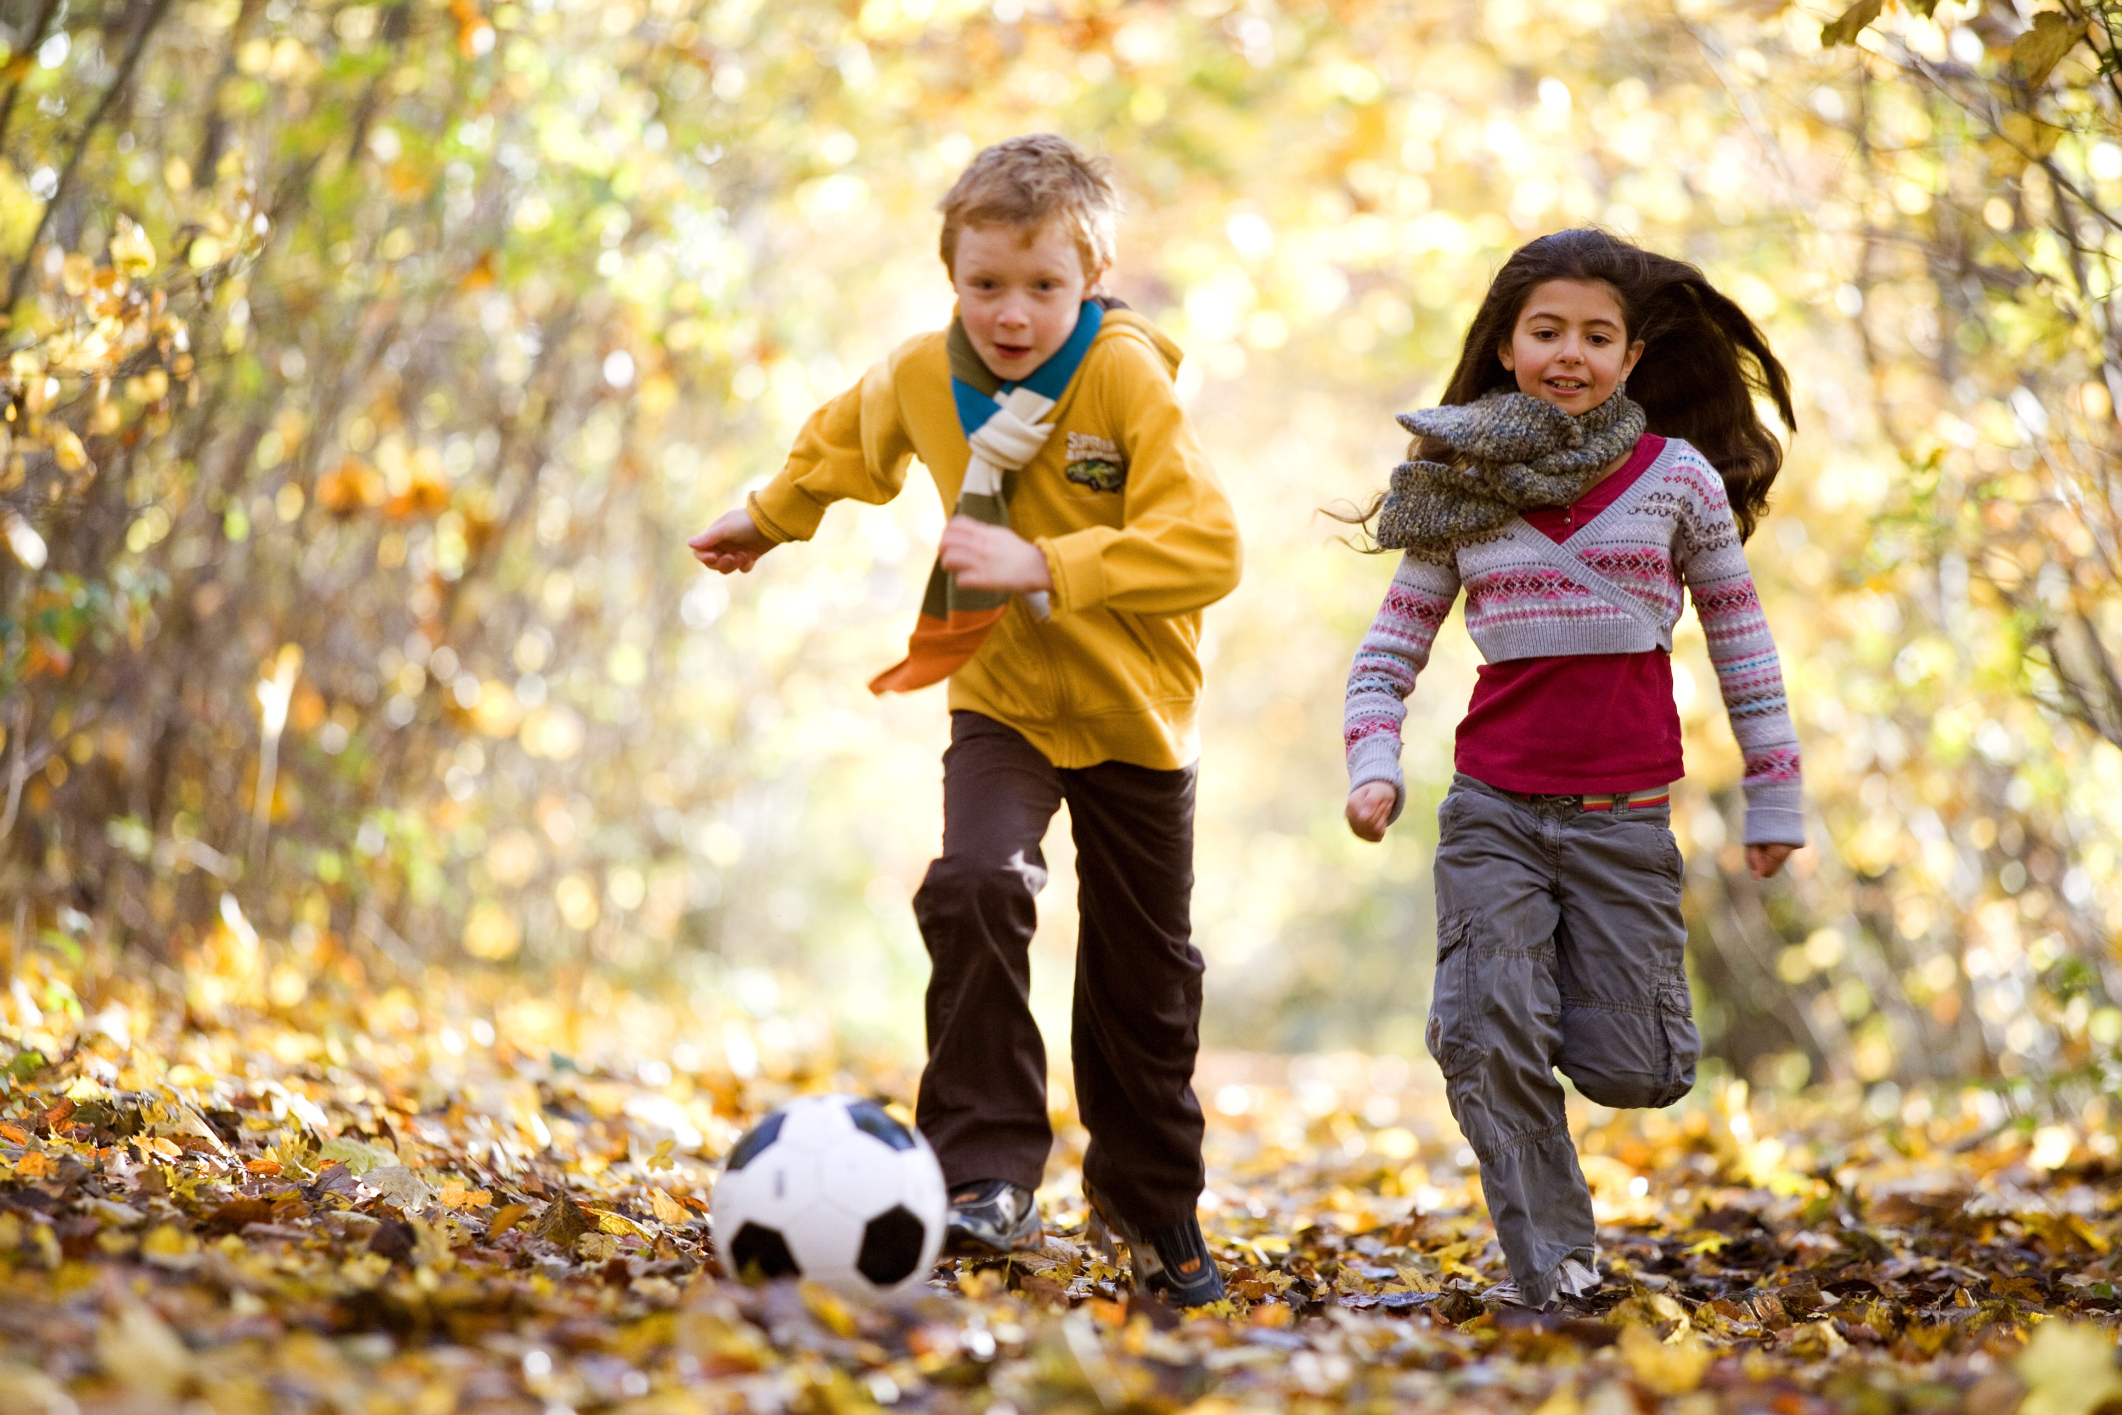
{"points": [[992, 1217], [1174, 1261]]}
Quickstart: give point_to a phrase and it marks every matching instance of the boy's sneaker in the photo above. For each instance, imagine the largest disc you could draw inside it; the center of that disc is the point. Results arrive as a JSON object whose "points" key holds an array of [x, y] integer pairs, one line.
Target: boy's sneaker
{"points": [[1174, 1261], [991, 1217]]}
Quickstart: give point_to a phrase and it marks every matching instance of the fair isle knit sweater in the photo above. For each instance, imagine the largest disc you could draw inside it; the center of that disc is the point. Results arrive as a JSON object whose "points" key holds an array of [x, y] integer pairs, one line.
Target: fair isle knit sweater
{"points": [[1617, 585]]}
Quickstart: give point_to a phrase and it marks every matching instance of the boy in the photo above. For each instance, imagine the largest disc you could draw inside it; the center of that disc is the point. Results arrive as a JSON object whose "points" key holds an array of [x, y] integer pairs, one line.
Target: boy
{"points": [[1088, 534]]}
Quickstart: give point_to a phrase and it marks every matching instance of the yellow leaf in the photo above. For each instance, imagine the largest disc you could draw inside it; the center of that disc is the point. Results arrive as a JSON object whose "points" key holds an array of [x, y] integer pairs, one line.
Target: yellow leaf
{"points": [[34, 1165], [505, 1218], [667, 1209], [1663, 1368], [131, 251], [831, 1312], [454, 1195], [1851, 23], [2035, 54], [661, 1158], [618, 1225], [2069, 1369], [171, 1247], [1817, 1341], [137, 1349]]}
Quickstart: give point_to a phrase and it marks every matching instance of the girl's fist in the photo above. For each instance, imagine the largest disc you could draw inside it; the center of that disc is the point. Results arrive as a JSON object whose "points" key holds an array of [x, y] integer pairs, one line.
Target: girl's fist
{"points": [[1370, 807], [1765, 860]]}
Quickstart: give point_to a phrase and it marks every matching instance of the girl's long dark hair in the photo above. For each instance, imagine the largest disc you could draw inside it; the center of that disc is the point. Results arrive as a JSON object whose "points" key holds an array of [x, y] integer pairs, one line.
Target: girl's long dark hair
{"points": [[1703, 358]]}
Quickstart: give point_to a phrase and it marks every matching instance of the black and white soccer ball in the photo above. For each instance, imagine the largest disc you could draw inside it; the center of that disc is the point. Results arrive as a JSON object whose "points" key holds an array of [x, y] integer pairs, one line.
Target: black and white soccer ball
{"points": [[833, 1189]]}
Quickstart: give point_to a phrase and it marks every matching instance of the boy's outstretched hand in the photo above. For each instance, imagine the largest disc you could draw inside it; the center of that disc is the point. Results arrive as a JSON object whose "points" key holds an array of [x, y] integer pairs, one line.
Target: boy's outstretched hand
{"points": [[986, 557], [734, 542], [1766, 860], [1370, 807]]}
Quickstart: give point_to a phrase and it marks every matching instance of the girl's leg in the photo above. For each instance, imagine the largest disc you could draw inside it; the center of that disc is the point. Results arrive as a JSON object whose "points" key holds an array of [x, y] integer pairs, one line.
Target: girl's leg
{"points": [[1495, 1024], [1628, 1030]]}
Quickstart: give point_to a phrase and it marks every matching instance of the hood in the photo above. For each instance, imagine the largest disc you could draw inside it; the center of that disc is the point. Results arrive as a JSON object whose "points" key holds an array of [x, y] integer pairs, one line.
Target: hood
{"points": [[1127, 324]]}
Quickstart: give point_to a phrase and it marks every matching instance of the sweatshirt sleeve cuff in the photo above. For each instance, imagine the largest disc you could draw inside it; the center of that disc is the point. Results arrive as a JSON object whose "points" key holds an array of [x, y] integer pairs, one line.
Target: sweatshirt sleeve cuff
{"points": [[1775, 815], [1377, 758], [783, 513], [1077, 565]]}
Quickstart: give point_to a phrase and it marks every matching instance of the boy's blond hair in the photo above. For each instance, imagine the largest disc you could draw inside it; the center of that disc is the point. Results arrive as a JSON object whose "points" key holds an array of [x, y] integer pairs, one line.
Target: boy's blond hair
{"points": [[1028, 182]]}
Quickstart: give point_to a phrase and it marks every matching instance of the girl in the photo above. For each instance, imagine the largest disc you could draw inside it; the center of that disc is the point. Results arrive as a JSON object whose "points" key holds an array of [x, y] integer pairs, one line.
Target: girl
{"points": [[1596, 457]]}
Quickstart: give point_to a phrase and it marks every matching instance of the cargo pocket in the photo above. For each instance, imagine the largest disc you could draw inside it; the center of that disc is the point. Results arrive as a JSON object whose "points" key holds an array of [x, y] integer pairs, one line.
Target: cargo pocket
{"points": [[1683, 1045], [1456, 1036]]}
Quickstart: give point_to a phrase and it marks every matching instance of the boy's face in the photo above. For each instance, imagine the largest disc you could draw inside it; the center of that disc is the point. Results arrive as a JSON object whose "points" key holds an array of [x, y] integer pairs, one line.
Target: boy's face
{"points": [[1019, 292], [1570, 346]]}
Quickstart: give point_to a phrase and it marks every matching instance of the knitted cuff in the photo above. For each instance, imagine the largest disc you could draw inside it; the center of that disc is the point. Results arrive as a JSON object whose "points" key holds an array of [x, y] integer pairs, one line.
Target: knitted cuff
{"points": [[1775, 813], [1377, 758]]}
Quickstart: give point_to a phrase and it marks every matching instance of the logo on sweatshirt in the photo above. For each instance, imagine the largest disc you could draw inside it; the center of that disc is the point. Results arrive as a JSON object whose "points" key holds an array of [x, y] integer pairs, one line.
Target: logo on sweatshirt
{"points": [[1095, 462]]}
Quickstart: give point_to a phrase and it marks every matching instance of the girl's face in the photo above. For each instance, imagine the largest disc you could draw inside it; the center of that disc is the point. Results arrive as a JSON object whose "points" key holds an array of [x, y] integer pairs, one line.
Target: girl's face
{"points": [[1570, 347]]}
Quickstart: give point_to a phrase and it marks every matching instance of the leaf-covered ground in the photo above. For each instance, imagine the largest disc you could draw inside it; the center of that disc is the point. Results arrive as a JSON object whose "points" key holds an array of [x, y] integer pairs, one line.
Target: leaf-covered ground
{"points": [[257, 1199]]}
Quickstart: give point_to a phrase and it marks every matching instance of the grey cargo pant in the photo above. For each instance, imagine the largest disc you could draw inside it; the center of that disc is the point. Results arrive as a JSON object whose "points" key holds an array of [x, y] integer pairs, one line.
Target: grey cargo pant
{"points": [[1559, 945]]}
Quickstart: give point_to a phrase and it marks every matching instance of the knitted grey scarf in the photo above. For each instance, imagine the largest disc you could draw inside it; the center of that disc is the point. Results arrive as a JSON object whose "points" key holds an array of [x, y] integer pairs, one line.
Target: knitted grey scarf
{"points": [[1517, 453]]}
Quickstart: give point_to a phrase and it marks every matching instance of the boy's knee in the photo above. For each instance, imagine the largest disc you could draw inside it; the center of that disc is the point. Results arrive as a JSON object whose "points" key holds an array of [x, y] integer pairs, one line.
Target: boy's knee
{"points": [[963, 884]]}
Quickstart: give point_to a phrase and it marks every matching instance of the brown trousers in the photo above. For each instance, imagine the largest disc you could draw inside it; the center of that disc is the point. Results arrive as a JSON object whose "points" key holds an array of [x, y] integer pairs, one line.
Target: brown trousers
{"points": [[982, 1102]]}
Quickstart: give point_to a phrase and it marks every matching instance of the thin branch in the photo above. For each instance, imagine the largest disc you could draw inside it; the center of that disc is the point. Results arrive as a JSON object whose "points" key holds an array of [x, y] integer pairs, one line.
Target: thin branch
{"points": [[110, 98], [30, 46]]}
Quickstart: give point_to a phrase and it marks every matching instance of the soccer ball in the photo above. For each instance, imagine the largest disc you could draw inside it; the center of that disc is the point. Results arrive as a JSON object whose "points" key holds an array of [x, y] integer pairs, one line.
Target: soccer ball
{"points": [[831, 1188]]}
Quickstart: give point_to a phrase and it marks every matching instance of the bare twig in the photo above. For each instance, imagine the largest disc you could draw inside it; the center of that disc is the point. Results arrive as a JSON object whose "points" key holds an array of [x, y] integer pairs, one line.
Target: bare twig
{"points": [[110, 97], [30, 45]]}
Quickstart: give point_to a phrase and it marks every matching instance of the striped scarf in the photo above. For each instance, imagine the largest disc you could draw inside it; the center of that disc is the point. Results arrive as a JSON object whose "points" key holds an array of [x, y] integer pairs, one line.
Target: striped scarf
{"points": [[1001, 422]]}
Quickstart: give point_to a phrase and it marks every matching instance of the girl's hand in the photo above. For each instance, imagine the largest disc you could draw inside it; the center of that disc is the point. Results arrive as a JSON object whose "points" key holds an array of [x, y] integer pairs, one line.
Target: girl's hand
{"points": [[732, 543], [1370, 807], [1766, 860], [986, 557]]}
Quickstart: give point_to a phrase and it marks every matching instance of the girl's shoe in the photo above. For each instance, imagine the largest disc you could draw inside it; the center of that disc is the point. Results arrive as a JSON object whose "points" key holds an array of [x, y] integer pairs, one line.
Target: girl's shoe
{"points": [[1174, 1261], [1575, 1280], [991, 1217]]}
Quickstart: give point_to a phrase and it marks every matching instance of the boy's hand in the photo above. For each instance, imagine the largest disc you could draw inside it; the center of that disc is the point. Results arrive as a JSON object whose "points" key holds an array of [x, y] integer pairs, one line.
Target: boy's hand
{"points": [[1766, 860], [732, 543], [1370, 806], [985, 557]]}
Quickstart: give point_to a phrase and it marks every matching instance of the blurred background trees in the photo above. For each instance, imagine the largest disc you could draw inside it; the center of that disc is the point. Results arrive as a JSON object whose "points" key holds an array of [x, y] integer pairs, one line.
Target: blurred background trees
{"points": [[367, 365]]}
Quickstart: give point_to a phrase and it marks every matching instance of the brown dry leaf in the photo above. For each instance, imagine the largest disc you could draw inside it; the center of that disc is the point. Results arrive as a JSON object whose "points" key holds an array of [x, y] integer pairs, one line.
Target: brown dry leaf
{"points": [[562, 1222]]}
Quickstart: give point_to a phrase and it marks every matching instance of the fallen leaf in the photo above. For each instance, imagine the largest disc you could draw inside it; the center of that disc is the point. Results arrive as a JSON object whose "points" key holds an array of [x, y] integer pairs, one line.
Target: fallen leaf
{"points": [[2069, 1369], [138, 1350], [562, 1222], [667, 1210]]}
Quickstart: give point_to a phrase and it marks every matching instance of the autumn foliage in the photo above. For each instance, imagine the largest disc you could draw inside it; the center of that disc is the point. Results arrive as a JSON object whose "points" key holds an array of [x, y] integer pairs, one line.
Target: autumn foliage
{"points": [[414, 873]]}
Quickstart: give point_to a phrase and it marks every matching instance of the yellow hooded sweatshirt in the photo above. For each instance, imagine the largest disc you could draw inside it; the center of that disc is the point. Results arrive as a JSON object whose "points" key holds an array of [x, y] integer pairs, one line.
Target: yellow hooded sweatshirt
{"points": [[1137, 533]]}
